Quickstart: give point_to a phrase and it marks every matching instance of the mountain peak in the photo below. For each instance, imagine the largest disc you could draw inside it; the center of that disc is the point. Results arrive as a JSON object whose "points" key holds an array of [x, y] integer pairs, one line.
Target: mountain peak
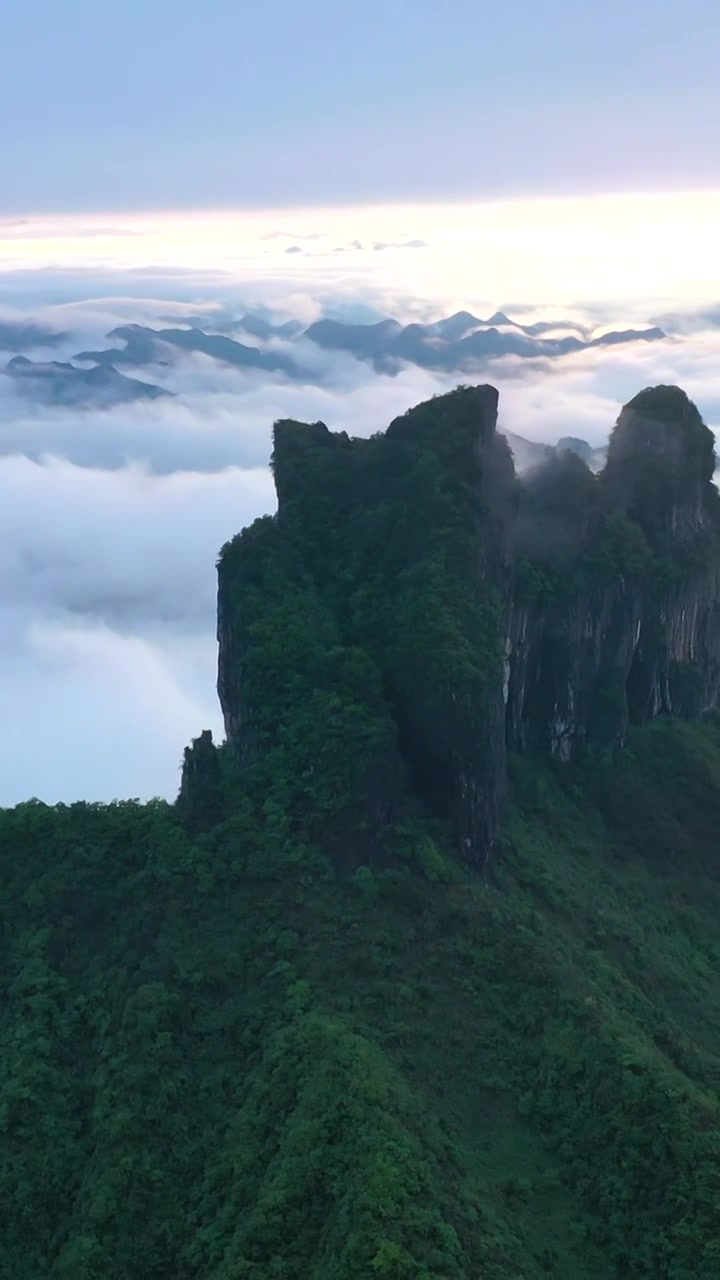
{"points": [[492, 614], [661, 462]]}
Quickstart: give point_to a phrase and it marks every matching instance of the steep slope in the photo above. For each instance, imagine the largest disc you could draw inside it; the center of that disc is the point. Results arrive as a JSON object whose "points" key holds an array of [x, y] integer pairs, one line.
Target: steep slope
{"points": [[417, 521], [484, 614], [617, 602], [219, 1058]]}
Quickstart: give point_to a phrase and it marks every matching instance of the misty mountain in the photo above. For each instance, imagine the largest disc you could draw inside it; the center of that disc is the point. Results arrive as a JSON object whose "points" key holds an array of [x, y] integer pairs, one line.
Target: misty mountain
{"points": [[252, 323], [57, 383], [463, 323], [460, 342], [260, 327], [23, 335], [457, 343], [366, 341], [144, 345], [530, 453]]}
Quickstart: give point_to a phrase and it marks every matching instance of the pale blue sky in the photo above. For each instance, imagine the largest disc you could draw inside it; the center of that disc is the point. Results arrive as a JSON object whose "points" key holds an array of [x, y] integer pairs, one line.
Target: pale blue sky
{"points": [[174, 103]]}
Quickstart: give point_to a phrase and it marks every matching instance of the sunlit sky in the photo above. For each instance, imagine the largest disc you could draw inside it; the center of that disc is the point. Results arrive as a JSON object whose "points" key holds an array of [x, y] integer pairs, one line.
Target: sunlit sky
{"points": [[545, 152], [659, 246]]}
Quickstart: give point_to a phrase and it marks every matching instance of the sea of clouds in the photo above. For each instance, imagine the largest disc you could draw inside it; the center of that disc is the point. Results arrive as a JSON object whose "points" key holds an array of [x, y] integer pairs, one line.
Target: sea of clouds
{"points": [[111, 521]]}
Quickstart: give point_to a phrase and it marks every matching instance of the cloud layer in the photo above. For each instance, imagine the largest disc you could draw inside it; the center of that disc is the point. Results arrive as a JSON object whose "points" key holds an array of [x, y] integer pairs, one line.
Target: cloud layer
{"points": [[110, 522]]}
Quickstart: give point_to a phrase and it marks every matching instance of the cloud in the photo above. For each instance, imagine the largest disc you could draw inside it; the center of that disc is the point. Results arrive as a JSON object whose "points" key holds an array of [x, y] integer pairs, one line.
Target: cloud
{"points": [[290, 235], [110, 523], [400, 244], [582, 394], [294, 248], [219, 417], [21, 231], [107, 621]]}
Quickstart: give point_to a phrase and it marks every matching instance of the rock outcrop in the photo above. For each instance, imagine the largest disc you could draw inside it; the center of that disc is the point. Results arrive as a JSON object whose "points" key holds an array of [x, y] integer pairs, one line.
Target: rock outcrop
{"points": [[413, 610], [616, 616]]}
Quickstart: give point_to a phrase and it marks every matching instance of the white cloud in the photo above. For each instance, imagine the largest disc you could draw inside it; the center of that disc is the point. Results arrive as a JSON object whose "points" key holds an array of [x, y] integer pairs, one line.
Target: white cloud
{"points": [[110, 522], [107, 652]]}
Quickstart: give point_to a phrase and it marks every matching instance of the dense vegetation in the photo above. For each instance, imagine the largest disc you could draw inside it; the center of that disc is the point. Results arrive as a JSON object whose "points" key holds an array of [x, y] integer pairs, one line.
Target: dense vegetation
{"points": [[220, 1057], [286, 1028]]}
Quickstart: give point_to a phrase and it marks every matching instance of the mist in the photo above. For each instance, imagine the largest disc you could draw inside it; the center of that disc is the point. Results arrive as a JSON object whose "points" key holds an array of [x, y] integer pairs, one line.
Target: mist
{"points": [[112, 520]]}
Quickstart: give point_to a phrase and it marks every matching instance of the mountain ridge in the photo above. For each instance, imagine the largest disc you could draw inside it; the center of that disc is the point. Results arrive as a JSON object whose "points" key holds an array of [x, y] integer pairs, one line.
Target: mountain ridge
{"points": [[61, 383], [456, 343]]}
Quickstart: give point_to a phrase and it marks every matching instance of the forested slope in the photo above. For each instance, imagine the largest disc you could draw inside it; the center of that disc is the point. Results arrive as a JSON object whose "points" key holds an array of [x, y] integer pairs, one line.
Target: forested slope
{"points": [[221, 1058]]}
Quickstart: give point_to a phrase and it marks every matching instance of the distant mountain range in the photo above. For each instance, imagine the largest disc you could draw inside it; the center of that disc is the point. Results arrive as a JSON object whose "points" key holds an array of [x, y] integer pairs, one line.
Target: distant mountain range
{"points": [[62, 384], [461, 343], [529, 453], [24, 335], [156, 346]]}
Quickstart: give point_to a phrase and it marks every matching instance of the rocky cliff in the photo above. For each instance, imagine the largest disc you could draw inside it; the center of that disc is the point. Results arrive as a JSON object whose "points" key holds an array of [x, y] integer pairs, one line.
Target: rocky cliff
{"points": [[413, 610], [616, 612]]}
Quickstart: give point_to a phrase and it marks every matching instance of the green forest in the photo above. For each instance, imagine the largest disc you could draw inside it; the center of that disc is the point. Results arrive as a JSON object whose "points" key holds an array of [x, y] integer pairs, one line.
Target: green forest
{"points": [[220, 1057], [284, 1027]]}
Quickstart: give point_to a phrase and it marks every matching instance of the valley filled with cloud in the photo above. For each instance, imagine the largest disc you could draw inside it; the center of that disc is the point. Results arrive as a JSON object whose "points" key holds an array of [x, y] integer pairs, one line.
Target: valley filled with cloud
{"points": [[113, 510]]}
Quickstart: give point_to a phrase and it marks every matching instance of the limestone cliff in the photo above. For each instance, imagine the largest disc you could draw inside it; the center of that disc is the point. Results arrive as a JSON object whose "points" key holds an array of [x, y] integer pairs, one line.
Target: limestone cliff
{"points": [[412, 610], [616, 616]]}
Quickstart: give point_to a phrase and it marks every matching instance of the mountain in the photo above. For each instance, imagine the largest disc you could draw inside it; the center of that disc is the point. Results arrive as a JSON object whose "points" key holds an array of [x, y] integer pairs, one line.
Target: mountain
{"points": [[628, 335], [155, 346], [260, 327], [58, 383], [528, 454], [419, 975], [578, 603], [460, 342], [253, 323], [23, 335]]}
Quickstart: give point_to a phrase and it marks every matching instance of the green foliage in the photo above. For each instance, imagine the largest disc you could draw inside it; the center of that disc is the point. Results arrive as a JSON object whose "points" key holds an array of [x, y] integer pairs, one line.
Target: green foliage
{"points": [[215, 1063], [619, 549], [368, 618]]}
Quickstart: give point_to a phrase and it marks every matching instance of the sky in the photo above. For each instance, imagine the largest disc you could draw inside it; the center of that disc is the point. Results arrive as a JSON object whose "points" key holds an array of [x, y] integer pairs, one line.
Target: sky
{"points": [[557, 161], [173, 104]]}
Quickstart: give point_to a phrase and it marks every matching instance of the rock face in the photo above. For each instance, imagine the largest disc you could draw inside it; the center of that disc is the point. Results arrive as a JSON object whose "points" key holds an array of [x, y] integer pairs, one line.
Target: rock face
{"points": [[201, 796], [413, 610], [616, 617], [389, 560]]}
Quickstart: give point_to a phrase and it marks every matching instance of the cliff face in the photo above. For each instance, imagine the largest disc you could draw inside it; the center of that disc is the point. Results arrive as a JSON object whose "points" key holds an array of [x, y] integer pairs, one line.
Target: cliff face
{"points": [[395, 548], [415, 610], [622, 620]]}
